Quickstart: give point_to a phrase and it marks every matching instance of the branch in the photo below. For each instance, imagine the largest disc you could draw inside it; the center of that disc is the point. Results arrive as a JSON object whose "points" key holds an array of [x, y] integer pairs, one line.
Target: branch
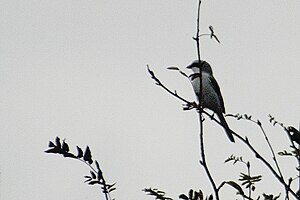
{"points": [[189, 105], [259, 124], [257, 155], [96, 175]]}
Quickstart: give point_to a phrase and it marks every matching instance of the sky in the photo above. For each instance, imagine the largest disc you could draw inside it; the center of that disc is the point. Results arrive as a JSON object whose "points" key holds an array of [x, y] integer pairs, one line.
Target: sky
{"points": [[77, 70]]}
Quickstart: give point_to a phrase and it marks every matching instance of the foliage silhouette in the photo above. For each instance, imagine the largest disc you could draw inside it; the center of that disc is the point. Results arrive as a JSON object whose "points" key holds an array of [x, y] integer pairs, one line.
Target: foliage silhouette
{"points": [[158, 194], [95, 176]]}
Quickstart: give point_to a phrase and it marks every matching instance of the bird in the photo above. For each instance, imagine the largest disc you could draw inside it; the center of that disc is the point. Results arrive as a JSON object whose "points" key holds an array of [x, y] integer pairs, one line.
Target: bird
{"points": [[211, 94]]}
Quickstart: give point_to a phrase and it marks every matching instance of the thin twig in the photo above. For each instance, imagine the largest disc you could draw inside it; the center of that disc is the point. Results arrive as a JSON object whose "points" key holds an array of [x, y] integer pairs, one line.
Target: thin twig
{"points": [[198, 31], [189, 104]]}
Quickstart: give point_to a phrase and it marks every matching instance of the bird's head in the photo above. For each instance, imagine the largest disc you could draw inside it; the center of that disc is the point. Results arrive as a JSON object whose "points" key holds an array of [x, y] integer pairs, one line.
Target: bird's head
{"points": [[195, 66]]}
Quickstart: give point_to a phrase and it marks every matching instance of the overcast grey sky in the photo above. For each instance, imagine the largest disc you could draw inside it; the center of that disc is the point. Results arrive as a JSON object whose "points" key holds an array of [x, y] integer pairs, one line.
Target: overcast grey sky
{"points": [[77, 69]]}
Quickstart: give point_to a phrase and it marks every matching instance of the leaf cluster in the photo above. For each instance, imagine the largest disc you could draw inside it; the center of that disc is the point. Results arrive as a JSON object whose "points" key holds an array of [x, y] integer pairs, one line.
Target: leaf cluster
{"points": [[96, 176], [195, 195], [158, 194]]}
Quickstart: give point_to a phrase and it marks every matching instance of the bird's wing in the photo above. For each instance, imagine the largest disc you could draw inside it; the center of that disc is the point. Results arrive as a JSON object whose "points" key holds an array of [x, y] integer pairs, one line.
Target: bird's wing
{"points": [[218, 91]]}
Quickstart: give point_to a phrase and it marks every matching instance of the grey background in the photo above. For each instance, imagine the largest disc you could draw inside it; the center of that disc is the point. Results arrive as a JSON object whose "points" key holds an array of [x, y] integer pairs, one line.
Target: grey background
{"points": [[77, 69]]}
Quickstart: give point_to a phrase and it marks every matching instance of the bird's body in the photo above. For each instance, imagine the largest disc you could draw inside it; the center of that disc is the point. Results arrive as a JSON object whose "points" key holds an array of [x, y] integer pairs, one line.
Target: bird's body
{"points": [[211, 97]]}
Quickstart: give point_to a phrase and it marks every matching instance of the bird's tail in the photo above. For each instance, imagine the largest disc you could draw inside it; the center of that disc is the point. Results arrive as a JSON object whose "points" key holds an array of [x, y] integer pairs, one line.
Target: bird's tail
{"points": [[226, 127]]}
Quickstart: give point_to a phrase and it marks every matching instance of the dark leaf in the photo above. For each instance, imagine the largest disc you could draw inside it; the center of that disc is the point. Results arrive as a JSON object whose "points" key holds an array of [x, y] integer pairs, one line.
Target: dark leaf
{"points": [[97, 165], [296, 134], [65, 146], [88, 179], [150, 72], [229, 159], [93, 174], [191, 194], [157, 193], [259, 123], [285, 153], [201, 196], [196, 195], [248, 164], [112, 189], [210, 197], [270, 196], [236, 186], [99, 175], [79, 152], [88, 156], [173, 68], [93, 182], [57, 140], [183, 196], [110, 186], [53, 150], [51, 144]]}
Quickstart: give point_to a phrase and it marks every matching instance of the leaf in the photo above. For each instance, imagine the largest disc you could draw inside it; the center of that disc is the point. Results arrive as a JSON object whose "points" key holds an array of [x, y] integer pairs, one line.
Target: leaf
{"points": [[284, 153], [88, 179], [201, 195], [65, 146], [79, 152], [210, 197], [57, 140], [51, 144], [97, 165], [183, 196], [270, 196], [155, 192], [236, 186], [93, 174], [112, 189], [53, 150], [87, 155], [99, 175], [110, 186], [259, 123], [173, 68], [196, 195], [191, 194], [93, 182]]}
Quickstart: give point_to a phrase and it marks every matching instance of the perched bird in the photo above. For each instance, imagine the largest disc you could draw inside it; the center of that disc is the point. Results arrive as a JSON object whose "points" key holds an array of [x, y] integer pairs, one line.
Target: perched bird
{"points": [[211, 95]]}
